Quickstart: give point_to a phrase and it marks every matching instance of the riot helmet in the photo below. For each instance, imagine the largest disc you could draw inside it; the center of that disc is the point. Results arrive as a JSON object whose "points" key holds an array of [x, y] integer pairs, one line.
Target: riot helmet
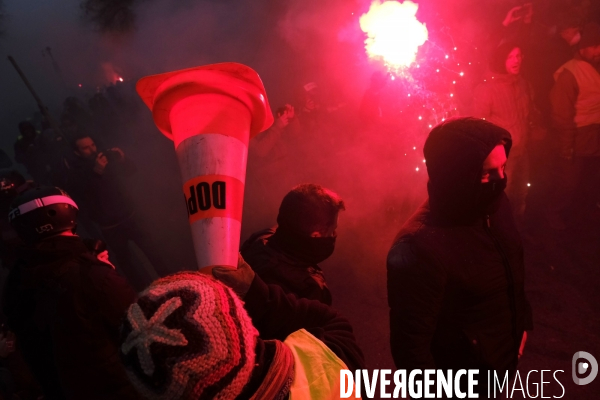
{"points": [[41, 212]]}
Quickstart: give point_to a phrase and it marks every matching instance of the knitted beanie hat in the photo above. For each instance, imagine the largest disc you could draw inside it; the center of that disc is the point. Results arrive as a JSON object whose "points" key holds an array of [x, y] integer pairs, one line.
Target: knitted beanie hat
{"points": [[188, 337]]}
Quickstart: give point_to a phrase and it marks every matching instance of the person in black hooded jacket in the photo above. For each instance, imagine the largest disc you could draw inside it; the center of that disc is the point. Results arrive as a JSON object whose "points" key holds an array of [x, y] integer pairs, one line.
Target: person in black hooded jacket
{"points": [[456, 269]]}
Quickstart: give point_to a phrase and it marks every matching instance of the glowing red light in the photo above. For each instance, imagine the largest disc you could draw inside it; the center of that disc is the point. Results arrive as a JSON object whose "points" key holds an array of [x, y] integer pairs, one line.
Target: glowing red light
{"points": [[112, 73], [394, 32]]}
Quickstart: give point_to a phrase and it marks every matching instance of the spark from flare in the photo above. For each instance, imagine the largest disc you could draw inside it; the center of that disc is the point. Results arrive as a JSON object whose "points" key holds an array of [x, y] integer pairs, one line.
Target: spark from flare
{"points": [[111, 73], [393, 32]]}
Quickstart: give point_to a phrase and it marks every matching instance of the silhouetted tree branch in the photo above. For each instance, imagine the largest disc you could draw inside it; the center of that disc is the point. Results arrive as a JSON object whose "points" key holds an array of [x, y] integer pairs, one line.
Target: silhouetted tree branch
{"points": [[110, 15]]}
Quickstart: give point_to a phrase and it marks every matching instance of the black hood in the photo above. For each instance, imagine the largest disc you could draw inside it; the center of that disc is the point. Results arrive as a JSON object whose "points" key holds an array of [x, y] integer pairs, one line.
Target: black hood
{"points": [[454, 152], [499, 56]]}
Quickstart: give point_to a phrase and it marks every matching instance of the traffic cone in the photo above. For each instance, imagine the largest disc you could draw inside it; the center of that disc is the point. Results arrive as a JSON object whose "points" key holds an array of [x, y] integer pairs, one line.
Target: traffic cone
{"points": [[210, 113]]}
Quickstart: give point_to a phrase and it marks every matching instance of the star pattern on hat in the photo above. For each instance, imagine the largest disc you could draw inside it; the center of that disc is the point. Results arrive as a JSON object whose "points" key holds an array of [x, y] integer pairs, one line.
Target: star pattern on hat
{"points": [[145, 332]]}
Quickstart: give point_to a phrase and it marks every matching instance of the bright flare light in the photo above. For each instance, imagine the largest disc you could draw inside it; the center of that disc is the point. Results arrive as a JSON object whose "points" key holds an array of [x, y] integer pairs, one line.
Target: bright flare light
{"points": [[394, 32]]}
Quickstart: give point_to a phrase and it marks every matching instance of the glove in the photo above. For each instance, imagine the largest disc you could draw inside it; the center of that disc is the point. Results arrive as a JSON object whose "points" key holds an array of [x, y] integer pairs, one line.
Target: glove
{"points": [[239, 279]]}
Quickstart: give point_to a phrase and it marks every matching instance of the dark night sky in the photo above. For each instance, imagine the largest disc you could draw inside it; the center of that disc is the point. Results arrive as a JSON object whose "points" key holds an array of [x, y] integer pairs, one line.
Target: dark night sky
{"points": [[173, 35]]}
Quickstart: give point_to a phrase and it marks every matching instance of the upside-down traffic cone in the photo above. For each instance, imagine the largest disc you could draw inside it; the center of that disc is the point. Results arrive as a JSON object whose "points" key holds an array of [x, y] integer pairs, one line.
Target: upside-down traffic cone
{"points": [[210, 113]]}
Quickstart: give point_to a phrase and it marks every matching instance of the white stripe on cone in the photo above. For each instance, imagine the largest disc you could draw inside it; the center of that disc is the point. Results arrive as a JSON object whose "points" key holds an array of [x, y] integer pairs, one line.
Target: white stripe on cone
{"points": [[216, 241], [212, 154]]}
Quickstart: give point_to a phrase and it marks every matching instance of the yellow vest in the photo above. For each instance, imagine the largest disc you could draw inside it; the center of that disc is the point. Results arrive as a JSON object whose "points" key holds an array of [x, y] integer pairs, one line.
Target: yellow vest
{"points": [[317, 368], [587, 106]]}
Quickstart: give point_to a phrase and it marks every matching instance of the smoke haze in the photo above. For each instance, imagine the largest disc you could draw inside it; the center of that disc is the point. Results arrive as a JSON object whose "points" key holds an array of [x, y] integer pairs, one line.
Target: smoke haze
{"points": [[378, 171]]}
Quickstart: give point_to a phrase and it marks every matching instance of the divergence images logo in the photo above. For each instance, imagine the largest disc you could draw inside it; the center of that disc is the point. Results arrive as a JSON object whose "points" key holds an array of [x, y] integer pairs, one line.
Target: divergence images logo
{"points": [[581, 367]]}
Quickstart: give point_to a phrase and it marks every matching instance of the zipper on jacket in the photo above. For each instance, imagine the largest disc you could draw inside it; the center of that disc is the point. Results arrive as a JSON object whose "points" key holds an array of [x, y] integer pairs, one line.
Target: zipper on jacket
{"points": [[509, 278]]}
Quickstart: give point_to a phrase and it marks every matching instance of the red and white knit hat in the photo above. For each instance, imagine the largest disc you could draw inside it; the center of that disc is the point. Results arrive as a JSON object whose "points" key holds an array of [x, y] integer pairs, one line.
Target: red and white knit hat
{"points": [[188, 337]]}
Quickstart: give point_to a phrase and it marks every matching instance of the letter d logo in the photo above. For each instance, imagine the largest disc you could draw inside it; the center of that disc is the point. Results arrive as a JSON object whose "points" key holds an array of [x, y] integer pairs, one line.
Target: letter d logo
{"points": [[582, 368]]}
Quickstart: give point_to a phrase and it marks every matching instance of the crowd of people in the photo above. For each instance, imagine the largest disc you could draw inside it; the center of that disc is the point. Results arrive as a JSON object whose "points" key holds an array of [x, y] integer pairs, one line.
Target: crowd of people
{"points": [[79, 324]]}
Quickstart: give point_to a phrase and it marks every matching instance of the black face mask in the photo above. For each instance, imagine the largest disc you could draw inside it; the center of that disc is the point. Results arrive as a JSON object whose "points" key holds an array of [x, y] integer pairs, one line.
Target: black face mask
{"points": [[311, 250], [489, 193]]}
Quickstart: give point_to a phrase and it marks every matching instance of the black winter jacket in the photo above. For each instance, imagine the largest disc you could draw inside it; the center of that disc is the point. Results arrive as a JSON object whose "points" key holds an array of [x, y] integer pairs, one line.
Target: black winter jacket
{"points": [[276, 315], [456, 275], [65, 307], [275, 267]]}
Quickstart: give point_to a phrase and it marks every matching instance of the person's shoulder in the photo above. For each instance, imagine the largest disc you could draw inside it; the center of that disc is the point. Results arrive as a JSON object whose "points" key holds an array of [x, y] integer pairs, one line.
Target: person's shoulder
{"points": [[485, 84], [402, 255], [256, 252], [523, 81], [403, 252], [258, 237], [82, 259], [77, 164], [565, 71], [416, 226], [256, 243], [96, 271]]}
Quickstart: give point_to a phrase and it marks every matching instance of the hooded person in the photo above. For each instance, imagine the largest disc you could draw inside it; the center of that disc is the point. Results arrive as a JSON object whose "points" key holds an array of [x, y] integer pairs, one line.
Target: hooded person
{"points": [[289, 255], [189, 336], [506, 99], [64, 301], [456, 269]]}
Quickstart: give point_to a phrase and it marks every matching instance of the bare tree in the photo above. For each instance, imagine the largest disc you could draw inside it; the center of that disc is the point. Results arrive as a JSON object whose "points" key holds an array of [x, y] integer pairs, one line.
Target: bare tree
{"points": [[110, 15]]}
